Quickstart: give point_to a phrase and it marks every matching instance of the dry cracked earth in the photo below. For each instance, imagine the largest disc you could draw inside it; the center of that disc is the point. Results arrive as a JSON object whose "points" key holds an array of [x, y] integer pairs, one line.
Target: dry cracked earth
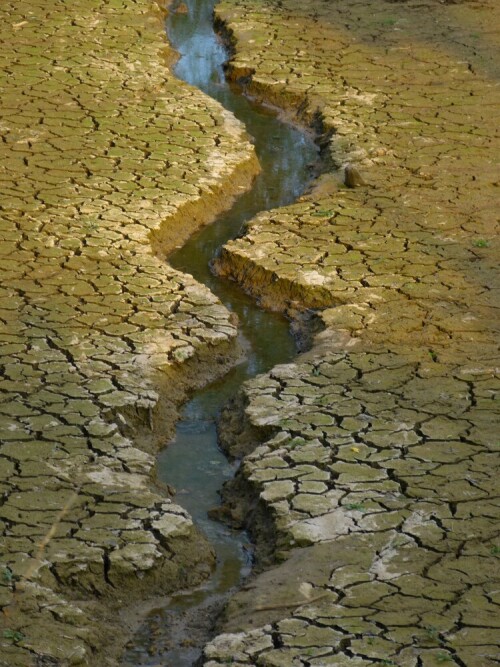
{"points": [[107, 161], [369, 469]]}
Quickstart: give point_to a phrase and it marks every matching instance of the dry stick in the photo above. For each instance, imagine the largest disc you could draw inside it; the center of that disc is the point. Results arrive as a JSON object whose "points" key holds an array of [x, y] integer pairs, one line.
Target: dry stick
{"points": [[47, 537], [40, 549], [284, 605]]}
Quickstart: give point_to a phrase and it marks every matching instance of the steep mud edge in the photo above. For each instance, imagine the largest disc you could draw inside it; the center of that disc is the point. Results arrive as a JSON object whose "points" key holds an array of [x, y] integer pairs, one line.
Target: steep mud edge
{"points": [[369, 473], [407, 94], [107, 161]]}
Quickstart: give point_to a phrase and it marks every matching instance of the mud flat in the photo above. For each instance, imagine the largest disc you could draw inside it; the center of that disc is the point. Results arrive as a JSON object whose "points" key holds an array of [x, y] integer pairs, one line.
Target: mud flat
{"points": [[107, 161], [368, 480], [368, 471]]}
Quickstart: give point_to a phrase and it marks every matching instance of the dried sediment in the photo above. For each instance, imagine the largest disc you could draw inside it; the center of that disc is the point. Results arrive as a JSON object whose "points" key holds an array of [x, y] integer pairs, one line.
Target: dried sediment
{"points": [[377, 474], [369, 467], [107, 159], [413, 253]]}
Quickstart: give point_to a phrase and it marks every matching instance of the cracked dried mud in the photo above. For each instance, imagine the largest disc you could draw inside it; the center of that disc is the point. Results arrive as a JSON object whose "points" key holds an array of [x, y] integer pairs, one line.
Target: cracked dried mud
{"points": [[369, 470], [107, 161]]}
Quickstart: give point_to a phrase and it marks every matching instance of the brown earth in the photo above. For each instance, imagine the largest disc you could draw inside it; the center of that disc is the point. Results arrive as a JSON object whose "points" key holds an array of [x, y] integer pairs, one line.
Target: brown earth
{"points": [[106, 162], [370, 470]]}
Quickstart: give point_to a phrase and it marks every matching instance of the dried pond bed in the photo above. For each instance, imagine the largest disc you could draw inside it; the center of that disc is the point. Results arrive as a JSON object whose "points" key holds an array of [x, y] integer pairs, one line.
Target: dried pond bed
{"points": [[400, 564], [105, 156], [370, 468]]}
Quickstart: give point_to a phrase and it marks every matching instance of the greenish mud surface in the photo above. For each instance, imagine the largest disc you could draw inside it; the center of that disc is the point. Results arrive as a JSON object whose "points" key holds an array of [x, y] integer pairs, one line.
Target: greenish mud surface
{"points": [[368, 478]]}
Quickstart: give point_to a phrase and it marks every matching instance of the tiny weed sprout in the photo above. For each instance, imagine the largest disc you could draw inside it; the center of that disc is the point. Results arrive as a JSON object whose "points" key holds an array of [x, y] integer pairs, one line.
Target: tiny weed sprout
{"points": [[7, 575], [432, 633], [481, 243], [444, 657], [14, 635], [355, 506]]}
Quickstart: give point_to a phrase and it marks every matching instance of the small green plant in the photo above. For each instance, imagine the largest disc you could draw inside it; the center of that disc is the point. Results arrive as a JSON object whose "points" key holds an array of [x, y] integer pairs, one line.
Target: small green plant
{"points": [[481, 243], [14, 635], [7, 575], [389, 22], [355, 506], [432, 633], [444, 657], [495, 551], [433, 355]]}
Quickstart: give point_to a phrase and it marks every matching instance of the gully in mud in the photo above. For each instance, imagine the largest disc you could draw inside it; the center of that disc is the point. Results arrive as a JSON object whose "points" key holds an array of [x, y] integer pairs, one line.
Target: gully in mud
{"points": [[193, 463]]}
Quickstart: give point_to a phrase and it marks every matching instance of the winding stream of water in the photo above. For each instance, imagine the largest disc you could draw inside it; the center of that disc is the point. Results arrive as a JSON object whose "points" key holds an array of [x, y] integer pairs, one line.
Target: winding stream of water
{"points": [[192, 463]]}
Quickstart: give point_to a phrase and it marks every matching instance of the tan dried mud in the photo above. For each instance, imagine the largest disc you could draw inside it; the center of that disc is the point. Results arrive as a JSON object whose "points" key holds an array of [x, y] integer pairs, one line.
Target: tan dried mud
{"points": [[368, 471], [405, 94], [103, 151]]}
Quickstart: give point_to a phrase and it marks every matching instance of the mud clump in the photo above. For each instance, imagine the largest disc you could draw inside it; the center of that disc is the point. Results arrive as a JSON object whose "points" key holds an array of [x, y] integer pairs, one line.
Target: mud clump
{"points": [[352, 177]]}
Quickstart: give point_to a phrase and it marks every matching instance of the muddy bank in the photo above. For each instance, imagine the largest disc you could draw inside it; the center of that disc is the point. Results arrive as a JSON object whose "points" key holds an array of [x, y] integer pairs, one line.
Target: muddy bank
{"points": [[367, 475], [371, 488], [100, 341], [177, 628], [411, 254]]}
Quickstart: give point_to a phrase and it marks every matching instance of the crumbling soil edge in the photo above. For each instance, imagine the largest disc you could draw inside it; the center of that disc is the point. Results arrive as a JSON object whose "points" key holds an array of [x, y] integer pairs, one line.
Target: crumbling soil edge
{"points": [[148, 427]]}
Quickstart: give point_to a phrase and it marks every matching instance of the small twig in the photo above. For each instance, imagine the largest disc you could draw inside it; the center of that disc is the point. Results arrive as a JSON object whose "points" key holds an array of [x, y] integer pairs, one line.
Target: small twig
{"points": [[271, 607], [46, 539]]}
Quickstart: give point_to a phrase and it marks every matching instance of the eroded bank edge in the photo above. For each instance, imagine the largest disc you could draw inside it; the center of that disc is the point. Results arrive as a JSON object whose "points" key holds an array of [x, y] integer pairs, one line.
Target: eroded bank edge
{"points": [[310, 480], [340, 159], [208, 360]]}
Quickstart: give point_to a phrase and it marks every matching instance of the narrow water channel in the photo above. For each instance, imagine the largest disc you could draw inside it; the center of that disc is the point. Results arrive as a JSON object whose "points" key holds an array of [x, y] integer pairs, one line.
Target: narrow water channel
{"points": [[174, 633]]}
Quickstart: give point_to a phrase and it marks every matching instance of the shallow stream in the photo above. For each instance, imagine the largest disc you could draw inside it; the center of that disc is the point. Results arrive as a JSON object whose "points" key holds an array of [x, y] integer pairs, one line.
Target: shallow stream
{"points": [[174, 632]]}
